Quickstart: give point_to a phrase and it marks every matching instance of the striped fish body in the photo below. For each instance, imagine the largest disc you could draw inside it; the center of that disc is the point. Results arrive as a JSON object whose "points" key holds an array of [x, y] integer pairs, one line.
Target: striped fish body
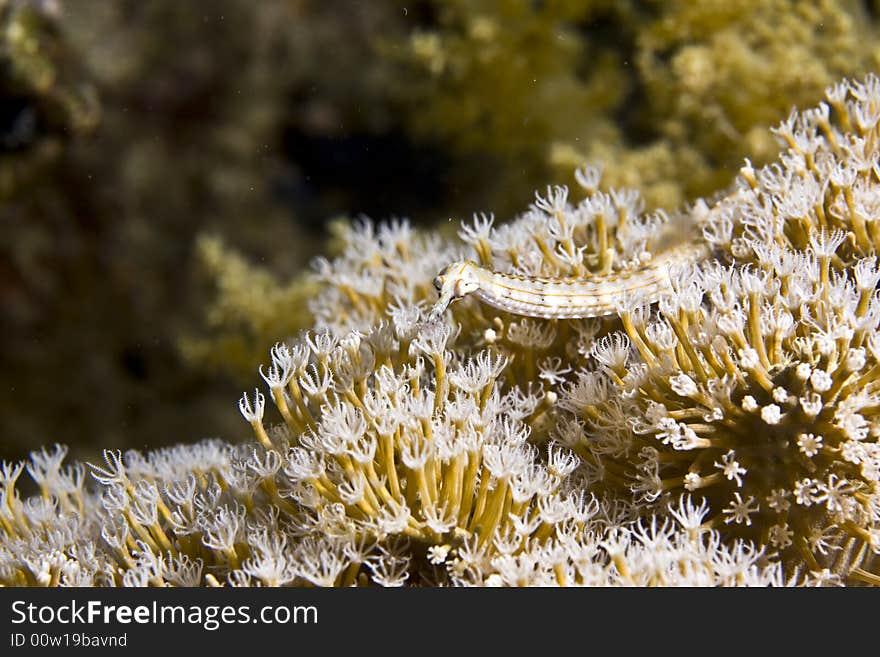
{"points": [[570, 298]]}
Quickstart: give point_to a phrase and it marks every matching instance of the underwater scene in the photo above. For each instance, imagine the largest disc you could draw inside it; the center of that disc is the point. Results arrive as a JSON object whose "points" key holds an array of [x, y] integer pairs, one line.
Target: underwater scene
{"points": [[431, 293]]}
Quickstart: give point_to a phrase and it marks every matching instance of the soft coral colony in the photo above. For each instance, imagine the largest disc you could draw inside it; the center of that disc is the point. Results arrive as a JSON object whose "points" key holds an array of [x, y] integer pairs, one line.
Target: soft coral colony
{"points": [[727, 435]]}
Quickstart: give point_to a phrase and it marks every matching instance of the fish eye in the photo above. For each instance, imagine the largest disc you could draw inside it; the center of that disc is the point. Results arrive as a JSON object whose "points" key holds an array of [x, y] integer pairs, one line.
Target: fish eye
{"points": [[438, 283]]}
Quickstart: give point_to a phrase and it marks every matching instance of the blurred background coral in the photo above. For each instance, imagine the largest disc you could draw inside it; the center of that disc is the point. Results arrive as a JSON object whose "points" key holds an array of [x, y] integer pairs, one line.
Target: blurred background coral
{"points": [[168, 169]]}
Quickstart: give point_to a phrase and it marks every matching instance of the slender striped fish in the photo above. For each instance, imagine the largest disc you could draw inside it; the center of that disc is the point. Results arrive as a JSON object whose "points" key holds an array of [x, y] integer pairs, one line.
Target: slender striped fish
{"points": [[560, 298]]}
